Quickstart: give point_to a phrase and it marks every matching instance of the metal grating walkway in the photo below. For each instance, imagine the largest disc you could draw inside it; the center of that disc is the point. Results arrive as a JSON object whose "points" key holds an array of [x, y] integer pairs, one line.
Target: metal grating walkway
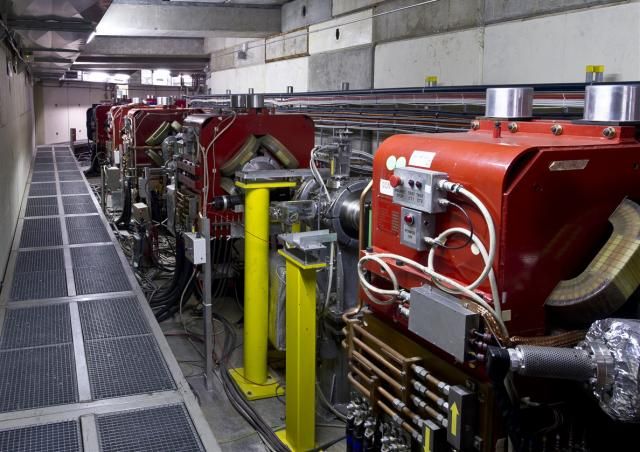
{"points": [[83, 363]]}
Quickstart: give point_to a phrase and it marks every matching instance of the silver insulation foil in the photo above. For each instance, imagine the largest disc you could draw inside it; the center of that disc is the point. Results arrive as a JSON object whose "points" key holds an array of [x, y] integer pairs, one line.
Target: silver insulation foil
{"points": [[621, 400]]}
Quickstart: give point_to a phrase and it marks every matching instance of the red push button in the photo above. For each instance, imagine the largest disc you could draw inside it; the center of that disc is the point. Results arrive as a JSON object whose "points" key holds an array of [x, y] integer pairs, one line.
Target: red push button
{"points": [[395, 181], [408, 219]]}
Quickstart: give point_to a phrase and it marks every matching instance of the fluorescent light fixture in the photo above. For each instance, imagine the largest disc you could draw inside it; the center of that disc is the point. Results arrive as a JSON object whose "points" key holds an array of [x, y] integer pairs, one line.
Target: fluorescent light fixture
{"points": [[91, 36]]}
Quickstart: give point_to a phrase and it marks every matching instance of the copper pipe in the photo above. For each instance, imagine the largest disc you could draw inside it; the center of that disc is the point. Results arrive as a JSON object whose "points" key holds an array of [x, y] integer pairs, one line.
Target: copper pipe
{"points": [[412, 431], [430, 411], [392, 353], [364, 391], [360, 373], [405, 410], [429, 378], [397, 372], [364, 361]]}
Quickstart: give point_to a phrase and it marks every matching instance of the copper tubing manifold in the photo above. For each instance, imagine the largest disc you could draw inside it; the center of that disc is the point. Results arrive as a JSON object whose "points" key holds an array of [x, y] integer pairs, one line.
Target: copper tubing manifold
{"points": [[395, 384]]}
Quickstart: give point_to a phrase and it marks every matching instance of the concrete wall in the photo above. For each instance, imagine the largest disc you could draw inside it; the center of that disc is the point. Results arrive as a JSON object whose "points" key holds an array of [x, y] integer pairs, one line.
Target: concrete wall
{"points": [[376, 43], [16, 150], [59, 108]]}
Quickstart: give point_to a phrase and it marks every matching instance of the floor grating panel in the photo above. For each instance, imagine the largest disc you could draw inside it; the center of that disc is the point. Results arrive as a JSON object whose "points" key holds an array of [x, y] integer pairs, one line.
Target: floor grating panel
{"points": [[39, 232], [38, 285], [73, 188], [37, 377], [44, 189], [126, 366], [86, 229], [78, 204], [43, 177], [67, 166], [100, 280], [69, 175], [112, 318], [39, 260], [39, 274], [34, 327], [162, 429], [41, 207], [56, 437], [39, 167]]}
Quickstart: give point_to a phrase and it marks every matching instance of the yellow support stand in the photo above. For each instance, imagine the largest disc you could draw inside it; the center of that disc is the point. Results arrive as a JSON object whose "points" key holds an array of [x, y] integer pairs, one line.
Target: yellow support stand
{"points": [[253, 379], [300, 431]]}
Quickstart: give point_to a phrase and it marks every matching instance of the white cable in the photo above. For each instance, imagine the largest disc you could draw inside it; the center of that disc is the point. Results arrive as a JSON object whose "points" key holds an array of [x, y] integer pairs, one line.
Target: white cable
{"points": [[377, 257], [441, 238], [316, 173], [490, 227]]}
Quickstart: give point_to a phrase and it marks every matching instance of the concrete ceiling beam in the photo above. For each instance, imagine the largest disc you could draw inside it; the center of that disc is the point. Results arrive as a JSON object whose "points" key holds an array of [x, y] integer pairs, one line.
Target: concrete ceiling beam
{"points": [[175, 19], [144, 46]]}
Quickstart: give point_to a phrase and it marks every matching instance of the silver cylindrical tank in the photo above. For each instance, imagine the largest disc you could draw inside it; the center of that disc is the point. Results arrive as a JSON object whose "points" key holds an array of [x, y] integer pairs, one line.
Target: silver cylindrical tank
{"points": [[509, 103], [239, 100], [612, 103], [256, 101]]}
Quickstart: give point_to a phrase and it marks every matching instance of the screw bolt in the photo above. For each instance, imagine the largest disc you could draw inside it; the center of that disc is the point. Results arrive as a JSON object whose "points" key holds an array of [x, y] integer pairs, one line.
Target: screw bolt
{"points": [[609, 132], [513, 127], [475, 125], [556, 129]]}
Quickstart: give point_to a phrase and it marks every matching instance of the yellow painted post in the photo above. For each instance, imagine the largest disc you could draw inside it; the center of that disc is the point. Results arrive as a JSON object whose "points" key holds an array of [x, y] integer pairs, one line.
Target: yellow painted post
{"points": [[253, 379], [300, 431]]}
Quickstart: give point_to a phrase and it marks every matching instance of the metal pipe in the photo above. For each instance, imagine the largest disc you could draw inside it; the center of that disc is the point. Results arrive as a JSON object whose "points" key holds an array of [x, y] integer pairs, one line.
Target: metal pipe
{"points": [[430, 411], [365, 392], [427, 377], [397, 372], [392, 353], [365, 362], [207, 314], [402, 406], [360, 373], [412, 431]]}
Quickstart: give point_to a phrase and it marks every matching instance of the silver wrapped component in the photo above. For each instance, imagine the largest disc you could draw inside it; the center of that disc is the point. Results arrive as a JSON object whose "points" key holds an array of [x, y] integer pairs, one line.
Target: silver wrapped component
{"points": [[621, 398]]}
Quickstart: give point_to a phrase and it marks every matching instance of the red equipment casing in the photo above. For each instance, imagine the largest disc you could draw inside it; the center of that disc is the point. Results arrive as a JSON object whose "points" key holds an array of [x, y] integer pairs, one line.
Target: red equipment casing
{"points": [[146, 120], [295, 132], [550, 216]]}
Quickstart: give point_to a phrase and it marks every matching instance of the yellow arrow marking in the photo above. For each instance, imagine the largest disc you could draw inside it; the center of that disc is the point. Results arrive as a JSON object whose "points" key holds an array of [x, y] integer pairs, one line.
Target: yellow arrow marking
{"points": [[427, 439], [454, 419]]}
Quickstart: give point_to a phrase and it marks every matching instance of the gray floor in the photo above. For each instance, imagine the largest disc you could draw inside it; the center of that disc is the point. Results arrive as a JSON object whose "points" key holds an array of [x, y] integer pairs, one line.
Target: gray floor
{"points": [[230, 429], [83, 363]]}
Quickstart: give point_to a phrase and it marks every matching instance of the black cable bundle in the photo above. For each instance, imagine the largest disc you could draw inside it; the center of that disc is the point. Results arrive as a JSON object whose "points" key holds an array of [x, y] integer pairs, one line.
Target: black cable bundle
{"points": [[236, 398], [166, 301], [125, 217]]}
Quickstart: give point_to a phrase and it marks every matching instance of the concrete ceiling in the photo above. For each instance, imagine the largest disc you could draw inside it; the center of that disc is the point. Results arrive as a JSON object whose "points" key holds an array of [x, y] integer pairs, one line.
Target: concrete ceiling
{"points": [[53, 32], [134, 34]]}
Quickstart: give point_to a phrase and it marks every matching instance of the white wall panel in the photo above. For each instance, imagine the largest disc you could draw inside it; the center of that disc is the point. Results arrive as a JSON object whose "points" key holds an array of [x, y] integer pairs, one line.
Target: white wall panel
{"points": [[557, 48], [455, 58], [322, 37], [280, 74]]}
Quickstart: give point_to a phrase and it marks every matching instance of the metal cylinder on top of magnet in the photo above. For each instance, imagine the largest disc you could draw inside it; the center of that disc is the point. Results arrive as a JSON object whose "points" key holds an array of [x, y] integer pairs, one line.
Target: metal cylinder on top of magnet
{"points": [[255, 101], [239, 100], [509, 103], [612, 103]]}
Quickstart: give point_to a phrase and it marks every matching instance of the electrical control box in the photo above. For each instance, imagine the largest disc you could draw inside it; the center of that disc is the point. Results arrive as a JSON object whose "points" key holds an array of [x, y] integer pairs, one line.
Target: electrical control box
{"points": [[418, 189], [112, 177], [140, 212], [195, 247], [442, 320], [415, 227]]}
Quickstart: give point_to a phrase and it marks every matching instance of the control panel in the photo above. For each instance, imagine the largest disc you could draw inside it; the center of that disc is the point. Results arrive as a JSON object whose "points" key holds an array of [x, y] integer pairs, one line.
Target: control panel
{"points": [[195, 247], [417, 189], [415, 227]]}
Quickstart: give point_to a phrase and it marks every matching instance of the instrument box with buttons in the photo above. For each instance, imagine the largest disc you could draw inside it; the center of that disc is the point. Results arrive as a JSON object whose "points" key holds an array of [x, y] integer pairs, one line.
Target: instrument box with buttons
{"points": [[418, 189], [415, 227]]}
